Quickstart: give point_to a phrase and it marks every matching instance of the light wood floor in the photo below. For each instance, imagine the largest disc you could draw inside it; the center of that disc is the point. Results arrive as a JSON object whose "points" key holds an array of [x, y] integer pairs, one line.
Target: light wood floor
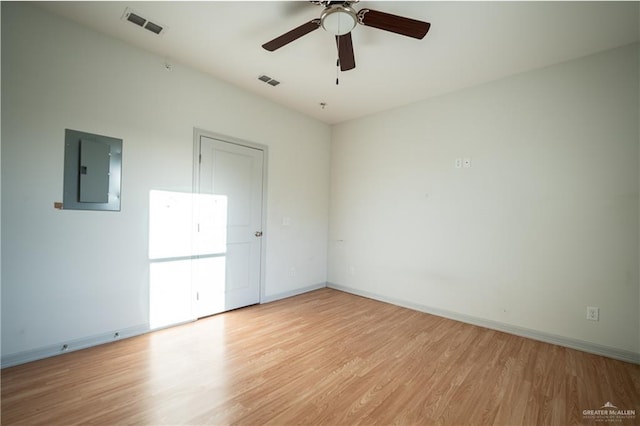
{"points": [[323, 357]]}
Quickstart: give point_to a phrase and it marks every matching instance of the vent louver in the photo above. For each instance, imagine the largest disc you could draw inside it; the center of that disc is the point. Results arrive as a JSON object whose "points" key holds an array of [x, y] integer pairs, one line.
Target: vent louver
{"points": [[154, 28], [137, 19]]}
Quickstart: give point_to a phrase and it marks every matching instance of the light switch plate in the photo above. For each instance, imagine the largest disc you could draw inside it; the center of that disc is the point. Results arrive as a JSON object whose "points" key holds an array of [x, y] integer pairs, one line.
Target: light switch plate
{"points": [[593, 313]]}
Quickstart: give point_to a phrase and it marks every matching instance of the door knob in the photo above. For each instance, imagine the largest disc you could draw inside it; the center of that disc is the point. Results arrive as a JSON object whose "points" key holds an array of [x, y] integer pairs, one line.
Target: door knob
{"points": [[258, 234]]}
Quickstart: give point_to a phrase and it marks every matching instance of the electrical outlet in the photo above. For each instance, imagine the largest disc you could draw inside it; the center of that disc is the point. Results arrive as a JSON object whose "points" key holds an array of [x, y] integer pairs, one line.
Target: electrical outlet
{"points": [[352, 270], [292, 271], [593, 313], [458, 163]]}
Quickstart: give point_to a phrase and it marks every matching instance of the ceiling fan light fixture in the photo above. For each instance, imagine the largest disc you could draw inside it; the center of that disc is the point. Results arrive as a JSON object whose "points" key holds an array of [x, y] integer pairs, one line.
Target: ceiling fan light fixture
{"points": [[338, 19]]}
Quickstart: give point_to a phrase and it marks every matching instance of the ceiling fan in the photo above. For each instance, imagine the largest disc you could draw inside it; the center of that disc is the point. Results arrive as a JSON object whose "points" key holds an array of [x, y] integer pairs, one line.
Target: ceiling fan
{"points": [[339, 18]]}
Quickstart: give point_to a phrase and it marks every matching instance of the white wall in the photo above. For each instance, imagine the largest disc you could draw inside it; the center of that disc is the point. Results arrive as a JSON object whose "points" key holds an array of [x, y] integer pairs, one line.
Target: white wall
{"points": [[544, 223], [74, 274]]}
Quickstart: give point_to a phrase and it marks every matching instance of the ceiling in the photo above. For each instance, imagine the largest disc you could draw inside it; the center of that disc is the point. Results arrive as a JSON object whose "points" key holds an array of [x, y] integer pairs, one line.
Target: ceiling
{"points": [[469, 43]]}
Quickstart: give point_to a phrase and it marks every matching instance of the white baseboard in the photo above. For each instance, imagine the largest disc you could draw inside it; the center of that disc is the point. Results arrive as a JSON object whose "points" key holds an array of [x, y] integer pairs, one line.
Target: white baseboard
{"points": [[620, 354], [83, 343], [11, 360], [296, 292]]}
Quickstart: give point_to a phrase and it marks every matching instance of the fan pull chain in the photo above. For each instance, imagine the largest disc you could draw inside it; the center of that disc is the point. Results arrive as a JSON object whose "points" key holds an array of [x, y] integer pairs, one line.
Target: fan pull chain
{"points": [[337, 71]]}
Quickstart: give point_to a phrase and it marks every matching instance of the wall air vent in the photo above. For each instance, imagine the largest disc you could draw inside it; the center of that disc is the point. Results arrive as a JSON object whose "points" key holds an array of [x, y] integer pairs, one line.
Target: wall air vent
{"points": [[137, 19]]}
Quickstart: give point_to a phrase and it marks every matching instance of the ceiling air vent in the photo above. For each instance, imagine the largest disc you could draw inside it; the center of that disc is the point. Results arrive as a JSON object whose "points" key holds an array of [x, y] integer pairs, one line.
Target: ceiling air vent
{"points": [[137, 19], [270, 81]]}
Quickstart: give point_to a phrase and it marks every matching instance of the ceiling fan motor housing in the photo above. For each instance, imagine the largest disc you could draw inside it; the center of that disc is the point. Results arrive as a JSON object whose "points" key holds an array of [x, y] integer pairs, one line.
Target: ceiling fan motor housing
{"points": [[338, 19]]}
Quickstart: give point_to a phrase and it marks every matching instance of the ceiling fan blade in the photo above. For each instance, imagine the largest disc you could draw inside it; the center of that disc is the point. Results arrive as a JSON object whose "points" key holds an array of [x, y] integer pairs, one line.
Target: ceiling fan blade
{"points": [[393, 23], [292, 35], [345, 52]]}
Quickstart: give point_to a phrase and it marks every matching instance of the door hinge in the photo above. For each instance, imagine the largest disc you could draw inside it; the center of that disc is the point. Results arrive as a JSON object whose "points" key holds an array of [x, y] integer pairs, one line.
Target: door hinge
{"points": [[198, 295], [200, 158]]}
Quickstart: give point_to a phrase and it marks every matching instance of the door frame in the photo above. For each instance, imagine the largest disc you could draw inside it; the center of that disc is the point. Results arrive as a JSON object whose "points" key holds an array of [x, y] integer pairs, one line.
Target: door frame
{"points": [[197, 133]]}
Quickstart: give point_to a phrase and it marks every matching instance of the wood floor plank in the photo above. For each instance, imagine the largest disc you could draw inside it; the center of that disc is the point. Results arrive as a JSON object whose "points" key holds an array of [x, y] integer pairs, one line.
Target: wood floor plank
{"points": [[324, 357]]}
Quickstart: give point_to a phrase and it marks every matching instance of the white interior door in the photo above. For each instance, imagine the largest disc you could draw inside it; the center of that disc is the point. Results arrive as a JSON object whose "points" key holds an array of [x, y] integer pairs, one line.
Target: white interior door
{"points": [[229, 214]]}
